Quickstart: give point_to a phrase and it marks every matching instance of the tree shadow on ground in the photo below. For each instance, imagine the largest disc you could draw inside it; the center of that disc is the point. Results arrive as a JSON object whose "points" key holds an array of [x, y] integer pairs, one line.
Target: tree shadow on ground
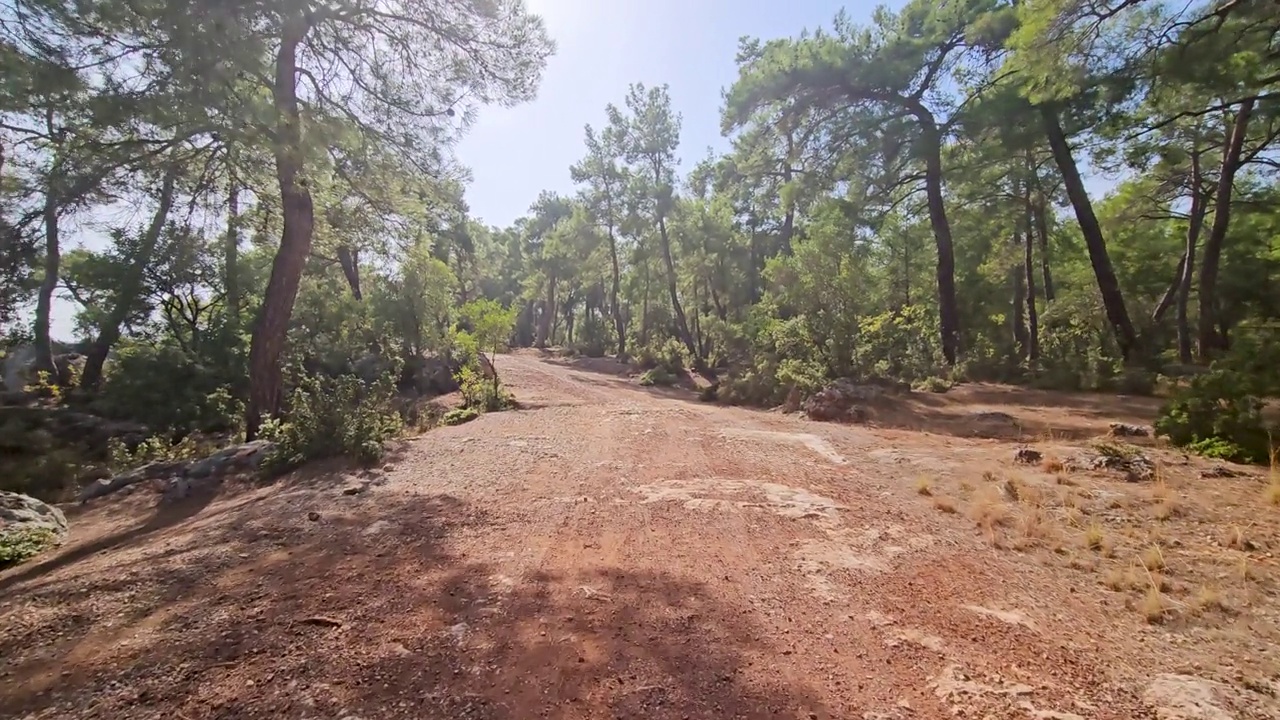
{"points": [[253, 609]]}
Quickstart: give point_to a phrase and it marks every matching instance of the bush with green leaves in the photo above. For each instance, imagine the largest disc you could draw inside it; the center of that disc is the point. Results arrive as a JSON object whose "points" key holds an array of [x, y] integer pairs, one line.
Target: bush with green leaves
{"points": [[157, 448], [667, 354], [328, 417], [657, 376], [899, 345], [458, 416], [932, 384], [22, 544], [167, 388], [481, 393], [1219, 414]]}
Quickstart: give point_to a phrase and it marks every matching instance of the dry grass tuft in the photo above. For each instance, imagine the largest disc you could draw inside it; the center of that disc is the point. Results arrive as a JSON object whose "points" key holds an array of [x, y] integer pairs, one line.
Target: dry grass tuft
{"points": [[966, 486], [1064, 480], [946, 505], [988, 509], [1052, 464], [1208, 599], [923, 486], [1166, 509], [1095, 538], [1032, 528], [1234, 538], [1153, 605], [1116, 579], [989, 476], [1271, 495], [1152, 559]]}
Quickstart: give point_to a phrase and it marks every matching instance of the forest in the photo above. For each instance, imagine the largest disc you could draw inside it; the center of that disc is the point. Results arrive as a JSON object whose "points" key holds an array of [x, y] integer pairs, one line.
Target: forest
{"points": [[1071, 194]]}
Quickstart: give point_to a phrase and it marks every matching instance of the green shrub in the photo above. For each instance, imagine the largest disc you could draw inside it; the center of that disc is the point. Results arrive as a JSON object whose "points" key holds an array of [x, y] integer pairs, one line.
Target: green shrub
{"points": [[329, 417], [667, 354], [899, 345], [1218, 413], [458, 416], [482, 393], [166, 388], [153, 449], [932, 384], [657, 376], [1135, 381], [20, 545]]}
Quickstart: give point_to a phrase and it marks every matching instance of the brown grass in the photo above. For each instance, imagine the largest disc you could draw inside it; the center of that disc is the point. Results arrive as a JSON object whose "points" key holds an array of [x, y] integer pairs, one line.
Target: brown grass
{"points": [[946, 505], [1152, 558], [923, 486], [1153, 605], [988, 508], [1116, 579], [1271, 495], [1166, 509], [1094, 537], [1234, 538], [1052, 465], [1208, 599], [1032, 528]]}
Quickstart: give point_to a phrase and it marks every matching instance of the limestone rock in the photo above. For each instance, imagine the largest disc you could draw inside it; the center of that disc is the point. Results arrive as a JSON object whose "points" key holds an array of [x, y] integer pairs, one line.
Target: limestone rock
{"points": [[841, 401], [22, 512], [181, 479], [1126, 430]]}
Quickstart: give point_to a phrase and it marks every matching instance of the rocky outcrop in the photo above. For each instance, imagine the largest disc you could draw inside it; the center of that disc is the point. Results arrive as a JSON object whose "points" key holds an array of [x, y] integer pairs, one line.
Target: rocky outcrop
{"points": [[21, 513], [1135, 466], [1127, 430], [843, 401], [179, 479]]}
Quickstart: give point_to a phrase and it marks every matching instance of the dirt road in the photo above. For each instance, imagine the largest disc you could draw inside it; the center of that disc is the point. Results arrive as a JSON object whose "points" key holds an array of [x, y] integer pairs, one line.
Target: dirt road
{"points": [[605, 552]]}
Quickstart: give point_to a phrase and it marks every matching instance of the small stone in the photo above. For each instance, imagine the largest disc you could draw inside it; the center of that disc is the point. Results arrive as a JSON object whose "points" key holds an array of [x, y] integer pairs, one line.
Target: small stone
{"points": [[353, 490], [313, 516]]}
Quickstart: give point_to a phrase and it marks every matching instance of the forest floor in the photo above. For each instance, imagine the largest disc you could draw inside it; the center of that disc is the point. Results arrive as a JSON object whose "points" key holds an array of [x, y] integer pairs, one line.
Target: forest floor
{"points": [[612, 551]]}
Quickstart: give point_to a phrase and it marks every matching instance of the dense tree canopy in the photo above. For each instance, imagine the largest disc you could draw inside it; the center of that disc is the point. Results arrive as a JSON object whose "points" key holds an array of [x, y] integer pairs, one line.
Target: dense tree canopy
{"points": [[1053, 191]]}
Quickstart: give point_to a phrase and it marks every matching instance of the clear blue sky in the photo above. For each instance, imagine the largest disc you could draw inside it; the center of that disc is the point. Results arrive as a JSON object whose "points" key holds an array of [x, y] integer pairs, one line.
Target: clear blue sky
{"points": [[604, 45]]}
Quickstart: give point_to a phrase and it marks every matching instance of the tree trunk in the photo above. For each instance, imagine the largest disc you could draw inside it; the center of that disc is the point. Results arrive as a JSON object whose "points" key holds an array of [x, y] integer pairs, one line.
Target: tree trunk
{"points": [[271, 327], [1210, 339], [789, 218], [615, 290], [350, 261], [948, 310], [231, 256], [682, 323], [1194, 225], [1108, 286], [131, 287], [1019, 323], [548, 315], [1039, 220], [1033, 318], [1170, 294], [48, 284]]}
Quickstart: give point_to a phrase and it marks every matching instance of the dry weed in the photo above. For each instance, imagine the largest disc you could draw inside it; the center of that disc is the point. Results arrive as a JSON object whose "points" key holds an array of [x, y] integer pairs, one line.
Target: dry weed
{"points": [[1234, 538], [966, 486], [1166, 509], [1064, 480], [1207, 599], [923, 486], [989, 476], [1032, 528], [988, 509], [1094, 537], [1152, 559], [946, 505], [1272, 493], [1052, 464], [1116, 579], [1153, 605]]}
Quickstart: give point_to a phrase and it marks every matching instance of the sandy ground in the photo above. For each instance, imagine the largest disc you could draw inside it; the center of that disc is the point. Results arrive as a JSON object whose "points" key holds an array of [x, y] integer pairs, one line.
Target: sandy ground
{"points": [[610, 551]]}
